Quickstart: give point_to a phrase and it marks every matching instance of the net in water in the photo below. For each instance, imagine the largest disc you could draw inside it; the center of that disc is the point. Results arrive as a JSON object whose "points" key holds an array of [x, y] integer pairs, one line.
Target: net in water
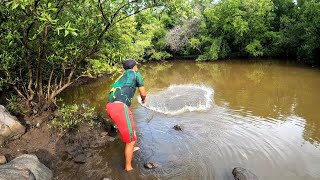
{"points": [[178, 99]]}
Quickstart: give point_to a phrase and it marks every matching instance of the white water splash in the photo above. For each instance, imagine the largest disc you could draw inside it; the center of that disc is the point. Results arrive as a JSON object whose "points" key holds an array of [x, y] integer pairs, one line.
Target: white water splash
{"points": [[177, 99]]}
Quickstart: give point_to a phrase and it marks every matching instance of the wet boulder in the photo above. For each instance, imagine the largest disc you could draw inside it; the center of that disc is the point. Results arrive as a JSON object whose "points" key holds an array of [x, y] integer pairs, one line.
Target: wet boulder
{"points": [[177, 127], [26, 166], [10, 127], [240, 173], [150, 165]]}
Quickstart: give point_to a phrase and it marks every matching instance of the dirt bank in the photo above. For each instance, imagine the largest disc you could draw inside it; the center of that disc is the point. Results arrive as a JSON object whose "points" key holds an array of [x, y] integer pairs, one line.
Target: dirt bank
{"points": [[54, 148]]}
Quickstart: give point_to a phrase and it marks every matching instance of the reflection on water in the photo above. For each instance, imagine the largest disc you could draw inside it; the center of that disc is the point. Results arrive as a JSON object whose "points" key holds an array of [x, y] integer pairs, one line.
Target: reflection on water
{"points": [[264, 117]]}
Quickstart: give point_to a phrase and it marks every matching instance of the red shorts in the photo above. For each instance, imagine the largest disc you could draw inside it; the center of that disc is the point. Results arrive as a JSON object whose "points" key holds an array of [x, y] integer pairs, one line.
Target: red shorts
{"points": [[121, 114]]}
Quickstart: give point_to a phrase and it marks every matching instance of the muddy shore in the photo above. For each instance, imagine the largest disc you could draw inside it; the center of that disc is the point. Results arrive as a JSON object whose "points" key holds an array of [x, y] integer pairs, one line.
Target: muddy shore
{"points": [[57, 150]]}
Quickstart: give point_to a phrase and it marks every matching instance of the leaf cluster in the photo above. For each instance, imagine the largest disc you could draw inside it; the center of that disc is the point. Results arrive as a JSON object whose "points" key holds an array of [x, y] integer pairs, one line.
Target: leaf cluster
{"points": [[72, 116]]}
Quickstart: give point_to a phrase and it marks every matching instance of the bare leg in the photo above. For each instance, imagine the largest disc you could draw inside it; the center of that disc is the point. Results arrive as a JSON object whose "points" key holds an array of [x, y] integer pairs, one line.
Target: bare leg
{"points": [[128, 152]]}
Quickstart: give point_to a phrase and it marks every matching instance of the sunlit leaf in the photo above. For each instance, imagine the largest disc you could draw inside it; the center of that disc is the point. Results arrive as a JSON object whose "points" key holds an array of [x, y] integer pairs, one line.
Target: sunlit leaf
{"points": [[14, 6], [66, 32]]}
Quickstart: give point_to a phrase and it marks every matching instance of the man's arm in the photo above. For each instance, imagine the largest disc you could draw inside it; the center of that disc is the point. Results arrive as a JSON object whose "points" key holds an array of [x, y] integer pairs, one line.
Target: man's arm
{"points": [[143, 94]]}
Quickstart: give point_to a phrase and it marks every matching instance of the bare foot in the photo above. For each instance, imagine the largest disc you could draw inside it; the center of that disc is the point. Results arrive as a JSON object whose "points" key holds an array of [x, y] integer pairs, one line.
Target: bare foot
{"points": [[129, 169], [135, 149]]}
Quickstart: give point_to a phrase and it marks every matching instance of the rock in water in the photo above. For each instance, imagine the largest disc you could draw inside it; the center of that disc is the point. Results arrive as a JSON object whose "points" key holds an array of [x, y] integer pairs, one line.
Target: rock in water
{"points": [[150, 165], [10, 127], [243, 174], [24, 167], [177, 128]]}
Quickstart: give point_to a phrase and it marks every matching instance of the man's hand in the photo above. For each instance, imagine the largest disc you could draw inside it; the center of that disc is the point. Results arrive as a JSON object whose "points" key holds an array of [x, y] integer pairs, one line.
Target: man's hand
{"points": [[143, 94], [143, 99]]}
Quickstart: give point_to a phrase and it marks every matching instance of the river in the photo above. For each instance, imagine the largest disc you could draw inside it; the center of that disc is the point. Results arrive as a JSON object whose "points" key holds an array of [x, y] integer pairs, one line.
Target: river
{"points": [[262, 115]]}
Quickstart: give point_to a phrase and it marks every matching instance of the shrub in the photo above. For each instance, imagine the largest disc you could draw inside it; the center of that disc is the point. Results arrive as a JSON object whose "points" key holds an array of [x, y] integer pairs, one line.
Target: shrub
{"points": [[12, 104], [71, 116]]}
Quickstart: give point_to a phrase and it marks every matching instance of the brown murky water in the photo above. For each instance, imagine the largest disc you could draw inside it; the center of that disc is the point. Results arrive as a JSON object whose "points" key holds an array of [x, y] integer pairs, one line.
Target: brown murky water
{"points": [[263, 115]]}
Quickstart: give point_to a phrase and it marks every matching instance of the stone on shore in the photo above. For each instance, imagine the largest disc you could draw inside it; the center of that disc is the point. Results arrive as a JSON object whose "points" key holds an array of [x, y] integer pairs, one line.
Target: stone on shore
{"points": [[104, 134], [3, 160], [243, 174], [16, 174], [80, 158], [24, 167], [10, 127]]}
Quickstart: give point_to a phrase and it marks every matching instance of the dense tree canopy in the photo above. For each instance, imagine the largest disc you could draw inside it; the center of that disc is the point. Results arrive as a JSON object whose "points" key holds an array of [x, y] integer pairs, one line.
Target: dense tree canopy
{"points": [[46, 45]]}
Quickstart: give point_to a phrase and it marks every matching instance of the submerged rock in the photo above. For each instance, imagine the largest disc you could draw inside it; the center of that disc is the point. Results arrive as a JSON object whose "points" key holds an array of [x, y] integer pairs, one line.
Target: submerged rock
{"points": [[10, 127], [177, 127], [243, 174], [26, 166]]}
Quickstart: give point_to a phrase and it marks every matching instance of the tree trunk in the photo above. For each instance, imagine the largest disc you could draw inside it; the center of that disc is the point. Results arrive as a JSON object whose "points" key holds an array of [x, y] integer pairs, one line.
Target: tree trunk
{"points": [[29, 94], [45, 32]]}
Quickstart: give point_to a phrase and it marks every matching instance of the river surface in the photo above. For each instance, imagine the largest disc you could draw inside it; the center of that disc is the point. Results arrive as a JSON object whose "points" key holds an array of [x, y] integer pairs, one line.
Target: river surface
{"points": [[261, 115]]}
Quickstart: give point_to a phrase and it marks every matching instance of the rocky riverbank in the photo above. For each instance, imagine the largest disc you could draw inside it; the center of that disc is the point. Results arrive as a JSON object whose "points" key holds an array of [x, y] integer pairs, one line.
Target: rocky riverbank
{"points": [[52, 148]]}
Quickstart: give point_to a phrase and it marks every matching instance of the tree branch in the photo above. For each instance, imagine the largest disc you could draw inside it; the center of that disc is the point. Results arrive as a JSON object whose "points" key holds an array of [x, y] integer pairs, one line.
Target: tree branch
{"points": [[115, 14], [60, 8], [101, 10], [136, 12], [19, 92], [49, 85], [29, 66]]}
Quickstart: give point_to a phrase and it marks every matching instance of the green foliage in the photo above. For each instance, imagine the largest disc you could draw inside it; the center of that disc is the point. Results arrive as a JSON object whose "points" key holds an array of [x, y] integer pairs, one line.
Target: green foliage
{"points": [[309, 25], [160, 55], [242, 25], [12, 104], [254, 48], [212, 52], [72, 116], [149, 42], [46, 45], [194, 43], [99, 66]]}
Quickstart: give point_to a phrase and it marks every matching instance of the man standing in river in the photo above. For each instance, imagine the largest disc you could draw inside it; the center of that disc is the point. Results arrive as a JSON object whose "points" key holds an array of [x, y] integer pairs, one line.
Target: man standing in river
{"points": [[118, 106]]}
